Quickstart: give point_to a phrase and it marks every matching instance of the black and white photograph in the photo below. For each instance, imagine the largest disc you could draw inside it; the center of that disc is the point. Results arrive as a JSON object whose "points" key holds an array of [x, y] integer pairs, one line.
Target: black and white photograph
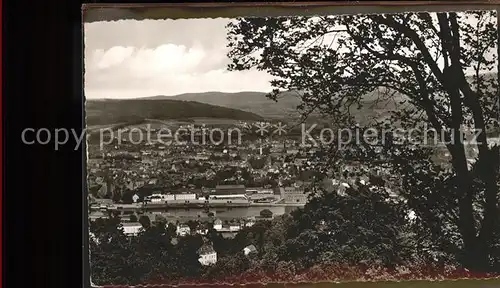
{"points": [[337, 148]]}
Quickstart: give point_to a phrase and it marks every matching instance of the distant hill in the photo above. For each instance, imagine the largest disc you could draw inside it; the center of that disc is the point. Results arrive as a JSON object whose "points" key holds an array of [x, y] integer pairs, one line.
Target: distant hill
{"points": [[102, 112], [255, 102], [286, 107]]}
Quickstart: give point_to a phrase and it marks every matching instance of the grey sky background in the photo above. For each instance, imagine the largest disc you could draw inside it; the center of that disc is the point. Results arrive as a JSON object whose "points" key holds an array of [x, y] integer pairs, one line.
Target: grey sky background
{"points": [[131, 59]]}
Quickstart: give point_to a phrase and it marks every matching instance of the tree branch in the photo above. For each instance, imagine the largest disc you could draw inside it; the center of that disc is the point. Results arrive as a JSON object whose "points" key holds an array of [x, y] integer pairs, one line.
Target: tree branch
{"points": [[412, 34]]}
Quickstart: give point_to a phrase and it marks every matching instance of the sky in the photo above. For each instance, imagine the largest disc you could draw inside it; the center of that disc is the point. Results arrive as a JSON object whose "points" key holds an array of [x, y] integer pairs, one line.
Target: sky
{"points": [[132, 59]]}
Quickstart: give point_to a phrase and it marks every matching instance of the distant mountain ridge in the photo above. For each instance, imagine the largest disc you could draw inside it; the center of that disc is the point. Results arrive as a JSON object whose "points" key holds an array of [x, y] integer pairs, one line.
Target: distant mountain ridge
{"points": [[257, 104], [286, 107], [107, 111], [254, 102]]}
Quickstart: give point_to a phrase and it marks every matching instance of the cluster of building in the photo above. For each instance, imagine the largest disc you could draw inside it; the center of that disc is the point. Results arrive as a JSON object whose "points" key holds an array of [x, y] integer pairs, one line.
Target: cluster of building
{"points": [[254, 173], [133, 229], [207, 254], [191, 172]]}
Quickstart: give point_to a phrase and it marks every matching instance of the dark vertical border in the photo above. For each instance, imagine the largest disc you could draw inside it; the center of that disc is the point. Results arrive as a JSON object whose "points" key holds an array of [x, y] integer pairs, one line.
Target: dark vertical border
{"points": [[1, 149], [42, 88]]}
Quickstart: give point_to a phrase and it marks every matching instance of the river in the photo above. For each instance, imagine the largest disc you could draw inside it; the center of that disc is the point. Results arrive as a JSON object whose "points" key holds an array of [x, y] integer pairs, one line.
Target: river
{"points": [[221, 213]]}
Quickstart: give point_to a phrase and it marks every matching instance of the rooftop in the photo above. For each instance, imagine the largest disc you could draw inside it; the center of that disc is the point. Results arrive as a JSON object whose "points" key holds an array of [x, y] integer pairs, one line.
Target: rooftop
{"points": [[206, 249], [131, 224], [230, 187], [250, 249]]}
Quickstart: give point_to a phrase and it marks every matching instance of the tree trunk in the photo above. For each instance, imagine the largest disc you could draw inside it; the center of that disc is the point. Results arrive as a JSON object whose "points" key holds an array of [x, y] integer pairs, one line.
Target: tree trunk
{"points": [[478, 255], [498, 70]]}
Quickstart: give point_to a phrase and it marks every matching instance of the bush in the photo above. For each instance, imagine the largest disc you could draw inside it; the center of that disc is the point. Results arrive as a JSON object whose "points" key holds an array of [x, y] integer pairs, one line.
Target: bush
{"points": [[266, 213]]}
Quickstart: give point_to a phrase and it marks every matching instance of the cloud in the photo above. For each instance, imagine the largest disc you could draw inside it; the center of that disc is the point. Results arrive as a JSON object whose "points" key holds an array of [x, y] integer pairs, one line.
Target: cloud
{"points": [[113, 56], [125, 59], [215, 80]]}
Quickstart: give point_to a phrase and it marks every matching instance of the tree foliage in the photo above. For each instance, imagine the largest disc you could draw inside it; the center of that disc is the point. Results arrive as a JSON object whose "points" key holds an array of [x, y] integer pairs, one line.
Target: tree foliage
{"points": [[266, 213], [430, 71]]}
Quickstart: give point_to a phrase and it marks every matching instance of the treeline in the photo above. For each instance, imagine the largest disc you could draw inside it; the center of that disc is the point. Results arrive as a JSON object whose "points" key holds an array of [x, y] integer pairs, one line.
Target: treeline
{"points": [[356, 235]]}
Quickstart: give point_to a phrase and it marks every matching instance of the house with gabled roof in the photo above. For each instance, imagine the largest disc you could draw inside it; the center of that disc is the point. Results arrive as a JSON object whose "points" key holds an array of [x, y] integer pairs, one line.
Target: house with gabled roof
{"points": [[208, 256]]}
